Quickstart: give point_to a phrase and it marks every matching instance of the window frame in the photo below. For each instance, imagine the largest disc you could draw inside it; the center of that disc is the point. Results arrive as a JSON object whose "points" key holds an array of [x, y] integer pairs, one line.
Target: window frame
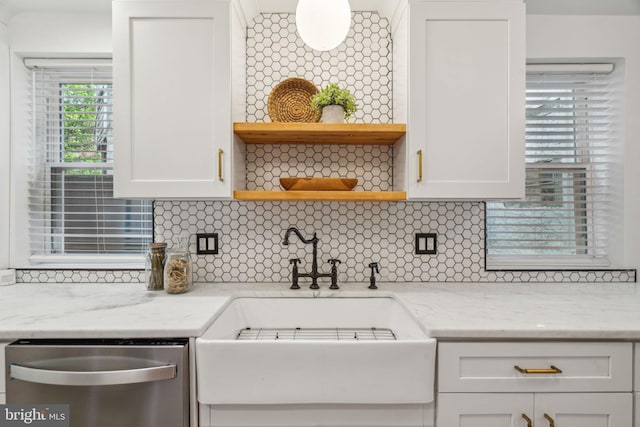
{"points": [[22, 144], [594, 261]]}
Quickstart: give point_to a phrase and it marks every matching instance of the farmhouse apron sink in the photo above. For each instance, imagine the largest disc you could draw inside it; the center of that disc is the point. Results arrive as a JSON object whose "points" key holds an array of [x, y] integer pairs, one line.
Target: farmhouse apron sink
{"points": [[367, 350]]}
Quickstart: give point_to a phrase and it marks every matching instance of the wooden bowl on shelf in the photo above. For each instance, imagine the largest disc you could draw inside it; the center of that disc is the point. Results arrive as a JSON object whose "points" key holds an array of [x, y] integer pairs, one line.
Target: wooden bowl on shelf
{"points": [[318, 184]]}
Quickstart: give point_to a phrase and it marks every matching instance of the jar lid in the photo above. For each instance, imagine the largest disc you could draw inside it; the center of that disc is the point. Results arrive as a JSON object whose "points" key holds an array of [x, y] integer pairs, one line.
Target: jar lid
{"points": [[178, 251], [158, 245]]}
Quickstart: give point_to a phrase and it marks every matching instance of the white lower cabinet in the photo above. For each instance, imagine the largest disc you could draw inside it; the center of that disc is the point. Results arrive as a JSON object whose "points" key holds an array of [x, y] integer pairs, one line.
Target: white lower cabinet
{"points": [[483, 409], [302, 415], [583, 409], [534, 409], [535, 384]]}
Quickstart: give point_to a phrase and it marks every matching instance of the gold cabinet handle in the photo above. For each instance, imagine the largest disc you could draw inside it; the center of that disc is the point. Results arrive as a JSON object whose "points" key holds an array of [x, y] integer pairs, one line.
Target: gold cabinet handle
{"points": [[220, 152], [528, 420], [551, 370], [552, 423], [419, 165]]}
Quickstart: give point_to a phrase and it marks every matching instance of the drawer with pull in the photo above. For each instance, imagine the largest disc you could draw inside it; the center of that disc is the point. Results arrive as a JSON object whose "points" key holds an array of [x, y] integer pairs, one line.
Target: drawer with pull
{"points": [[534, 366]]}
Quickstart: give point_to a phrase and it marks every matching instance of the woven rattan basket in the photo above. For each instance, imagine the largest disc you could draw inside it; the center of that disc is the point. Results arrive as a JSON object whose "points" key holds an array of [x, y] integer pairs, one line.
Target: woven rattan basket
{"points": [[289, 101]]}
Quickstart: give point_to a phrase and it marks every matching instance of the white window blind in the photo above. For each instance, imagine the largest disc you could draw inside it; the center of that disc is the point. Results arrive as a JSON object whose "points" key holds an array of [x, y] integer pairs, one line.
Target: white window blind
{"points": [[71, 204], [565, 218]]}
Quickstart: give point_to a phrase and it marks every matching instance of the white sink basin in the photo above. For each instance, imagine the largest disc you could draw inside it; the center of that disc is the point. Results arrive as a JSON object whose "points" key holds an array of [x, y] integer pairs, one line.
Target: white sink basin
{"points": [[320, 362]]}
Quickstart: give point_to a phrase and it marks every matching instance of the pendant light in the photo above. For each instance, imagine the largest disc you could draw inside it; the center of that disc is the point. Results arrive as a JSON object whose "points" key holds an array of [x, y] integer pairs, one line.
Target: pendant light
{"points": [[323, 24]]}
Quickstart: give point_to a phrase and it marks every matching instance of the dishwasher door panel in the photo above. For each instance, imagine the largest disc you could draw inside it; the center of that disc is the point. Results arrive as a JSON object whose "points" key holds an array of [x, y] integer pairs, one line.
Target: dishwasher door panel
{"points": [[125, 385]]}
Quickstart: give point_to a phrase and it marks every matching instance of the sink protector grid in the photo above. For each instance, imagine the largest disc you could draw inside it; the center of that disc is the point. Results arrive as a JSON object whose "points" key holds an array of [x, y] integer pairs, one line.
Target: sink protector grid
{"points": [[338, 334]]}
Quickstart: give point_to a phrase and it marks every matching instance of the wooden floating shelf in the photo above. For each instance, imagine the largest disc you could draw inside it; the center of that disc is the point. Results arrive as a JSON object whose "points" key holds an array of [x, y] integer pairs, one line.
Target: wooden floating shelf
{"points": [[362, 196], [320, 133]]}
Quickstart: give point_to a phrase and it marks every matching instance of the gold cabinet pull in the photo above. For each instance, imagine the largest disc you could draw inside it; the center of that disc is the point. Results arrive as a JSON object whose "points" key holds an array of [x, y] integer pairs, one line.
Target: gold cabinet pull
{"points": [[528, 420], [551, 370], [419, 165], [220, 152], [552, 423]]}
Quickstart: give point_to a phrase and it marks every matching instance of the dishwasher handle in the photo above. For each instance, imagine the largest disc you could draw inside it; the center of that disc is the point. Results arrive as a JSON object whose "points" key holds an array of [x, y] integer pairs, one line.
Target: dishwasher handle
{"points": [[92, 378]]}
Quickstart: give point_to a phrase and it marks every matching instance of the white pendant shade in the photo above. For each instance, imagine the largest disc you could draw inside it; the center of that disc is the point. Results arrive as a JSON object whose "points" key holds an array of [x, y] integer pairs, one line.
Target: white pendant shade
{"points": [[323, 24]]}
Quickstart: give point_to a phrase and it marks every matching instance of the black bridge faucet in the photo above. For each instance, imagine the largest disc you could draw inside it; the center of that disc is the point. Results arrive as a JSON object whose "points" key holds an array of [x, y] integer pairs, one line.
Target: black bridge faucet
{"points": [[314, 275]]}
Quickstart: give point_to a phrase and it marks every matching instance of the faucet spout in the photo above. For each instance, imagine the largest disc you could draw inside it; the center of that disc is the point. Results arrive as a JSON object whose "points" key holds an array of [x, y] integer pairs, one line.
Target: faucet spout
{"points": [[293, 230]]}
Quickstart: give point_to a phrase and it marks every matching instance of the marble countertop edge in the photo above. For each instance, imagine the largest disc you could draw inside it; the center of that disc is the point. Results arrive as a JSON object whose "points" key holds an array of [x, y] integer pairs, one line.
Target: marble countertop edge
{"points": [[483, 311]]}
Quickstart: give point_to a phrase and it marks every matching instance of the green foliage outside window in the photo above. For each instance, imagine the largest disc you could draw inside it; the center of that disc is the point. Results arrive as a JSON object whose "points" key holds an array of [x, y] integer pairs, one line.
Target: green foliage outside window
{"points": [[85, 124]]}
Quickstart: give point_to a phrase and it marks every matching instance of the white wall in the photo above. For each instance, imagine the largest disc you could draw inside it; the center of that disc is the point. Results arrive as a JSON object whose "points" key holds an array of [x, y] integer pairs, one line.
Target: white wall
{"points": [[604, 37], [5, 151], [61, 35], [53, 35]]}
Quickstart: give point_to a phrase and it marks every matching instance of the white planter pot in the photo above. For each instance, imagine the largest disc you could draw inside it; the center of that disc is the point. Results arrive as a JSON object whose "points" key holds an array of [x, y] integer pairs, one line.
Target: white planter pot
{"points": [[332, 114]]}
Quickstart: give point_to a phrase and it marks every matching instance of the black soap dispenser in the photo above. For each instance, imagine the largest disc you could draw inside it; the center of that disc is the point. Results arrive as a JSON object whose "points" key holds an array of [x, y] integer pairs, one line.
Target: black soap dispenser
{"points": [[372, 280]]}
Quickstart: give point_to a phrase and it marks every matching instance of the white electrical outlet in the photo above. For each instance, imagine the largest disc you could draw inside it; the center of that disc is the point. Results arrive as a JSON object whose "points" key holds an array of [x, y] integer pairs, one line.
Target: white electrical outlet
{"points": [[7, 277]]}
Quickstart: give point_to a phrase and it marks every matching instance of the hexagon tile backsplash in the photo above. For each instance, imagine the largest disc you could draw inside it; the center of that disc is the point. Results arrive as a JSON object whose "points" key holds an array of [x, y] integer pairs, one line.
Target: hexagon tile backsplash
{"points": [[362, 63], [251, 235], [370, 164], [251, 250]]}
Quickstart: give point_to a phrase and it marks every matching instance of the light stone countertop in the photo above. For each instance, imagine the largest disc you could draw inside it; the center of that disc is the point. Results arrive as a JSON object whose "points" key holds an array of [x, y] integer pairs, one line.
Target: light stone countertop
{"points": [[30, 310], [446, 310]]}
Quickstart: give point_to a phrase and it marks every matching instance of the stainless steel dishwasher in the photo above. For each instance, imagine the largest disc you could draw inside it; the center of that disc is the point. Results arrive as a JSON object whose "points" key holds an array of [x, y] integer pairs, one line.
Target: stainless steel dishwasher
{"points": [[121, 382]]}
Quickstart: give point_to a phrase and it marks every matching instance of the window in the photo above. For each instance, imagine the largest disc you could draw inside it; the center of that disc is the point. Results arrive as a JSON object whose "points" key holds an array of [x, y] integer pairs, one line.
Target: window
{"points": [[71, 205], [566, 216]]}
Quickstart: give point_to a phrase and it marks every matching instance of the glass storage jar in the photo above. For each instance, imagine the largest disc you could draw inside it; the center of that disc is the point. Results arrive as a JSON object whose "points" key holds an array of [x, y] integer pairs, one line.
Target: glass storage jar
{"points": [[177, 271], [154, 266]]}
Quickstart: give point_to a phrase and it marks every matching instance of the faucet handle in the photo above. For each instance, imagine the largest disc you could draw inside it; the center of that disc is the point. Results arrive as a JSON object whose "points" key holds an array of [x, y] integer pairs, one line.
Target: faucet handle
{"points": [[334, 261], [294, 273]]}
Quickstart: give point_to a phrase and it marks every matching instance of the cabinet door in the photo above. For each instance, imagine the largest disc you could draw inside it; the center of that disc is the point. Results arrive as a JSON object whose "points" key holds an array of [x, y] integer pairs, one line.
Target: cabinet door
{"points": [[583, 409], [484, 410], [466, 100], [172, 99]]}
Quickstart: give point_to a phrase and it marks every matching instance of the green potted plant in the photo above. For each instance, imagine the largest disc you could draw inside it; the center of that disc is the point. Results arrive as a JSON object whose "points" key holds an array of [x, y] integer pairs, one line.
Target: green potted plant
{"points": [[334, 103]]}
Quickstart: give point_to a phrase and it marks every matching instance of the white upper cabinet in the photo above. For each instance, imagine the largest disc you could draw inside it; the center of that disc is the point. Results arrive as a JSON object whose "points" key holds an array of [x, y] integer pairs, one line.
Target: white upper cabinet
{"points": [[466, 100], [172, 99]]}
